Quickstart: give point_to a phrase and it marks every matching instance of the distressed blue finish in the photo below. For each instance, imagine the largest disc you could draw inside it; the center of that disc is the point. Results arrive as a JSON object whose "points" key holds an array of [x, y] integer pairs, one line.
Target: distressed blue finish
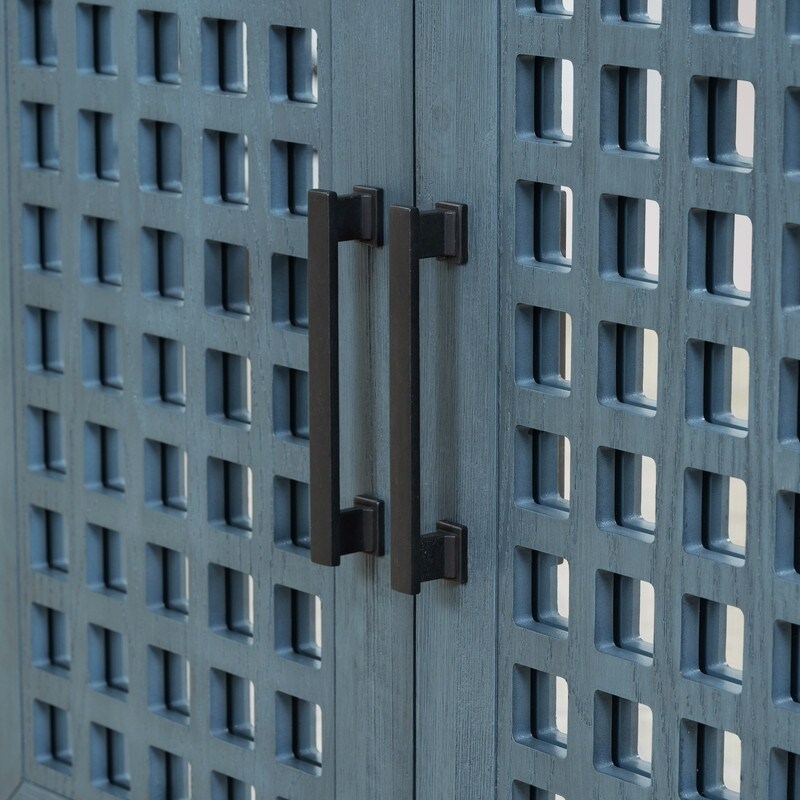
{"points": [[173, 637], [609, 400], [686, 428]]}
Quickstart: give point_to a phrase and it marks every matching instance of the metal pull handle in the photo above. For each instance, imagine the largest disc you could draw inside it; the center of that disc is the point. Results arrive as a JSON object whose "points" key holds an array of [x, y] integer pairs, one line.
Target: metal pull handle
{"points": [[415, 235], [332, 219]]}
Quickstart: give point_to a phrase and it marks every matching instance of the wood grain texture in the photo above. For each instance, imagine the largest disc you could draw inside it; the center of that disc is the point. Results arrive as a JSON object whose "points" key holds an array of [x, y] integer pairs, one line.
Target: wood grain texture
{"points": [[678, 51], [266, 231], [457, 147], [372, 145], [417, 697]]}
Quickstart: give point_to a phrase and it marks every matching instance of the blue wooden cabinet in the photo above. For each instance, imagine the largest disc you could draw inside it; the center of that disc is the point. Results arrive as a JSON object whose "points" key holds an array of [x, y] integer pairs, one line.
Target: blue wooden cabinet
{"points": [[400, 400]]}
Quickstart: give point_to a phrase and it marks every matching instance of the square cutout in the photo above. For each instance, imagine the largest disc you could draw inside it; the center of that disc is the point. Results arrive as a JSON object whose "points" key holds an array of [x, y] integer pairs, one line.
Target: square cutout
{"points": [[541, 592], [230, 497], [166, 483], [638, 12], [100, 252], [290, 403], [793, 22], [164, 371], [51, 736], [167, 581], [105, 561], [715, 516], [298, 625], [95, 39], [49, 542], [294, 171], [108, 661], [158, 47], [37, 33], [226, 175], [630, 100], [168, 684], [722, 122], [298, 737], [524, 791], [43, 341], [293, 65], [625, 610], [787, 539], [542, 469], [784, 770], [290, 292], [227, 268], [725, 16], [232, 703], [629, 239], [162, 264], [712, 643], [710, 762], [540, 709], [50, 639], [224, 787], [628, 368], [103, 459], [789, 403], [623, 738], [108, 760], [626, 493], [543, 349], [291, 503], [720, 255], [45, 442], [718, 386], [39, 141], [559, 8], [790, 268], [544, 99], [102, 365], [791, 125], [170, 775], [544, 225], [41, 247], [786, 666], [223, 64], [160, 167], [98, 147], [228, 387], [230, 602]]}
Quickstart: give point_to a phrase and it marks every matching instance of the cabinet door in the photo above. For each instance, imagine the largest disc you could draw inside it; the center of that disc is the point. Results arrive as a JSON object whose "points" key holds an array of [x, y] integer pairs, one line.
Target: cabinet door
{"points": [[632, 604], [456, 625], [647, 593], [173, 637]]}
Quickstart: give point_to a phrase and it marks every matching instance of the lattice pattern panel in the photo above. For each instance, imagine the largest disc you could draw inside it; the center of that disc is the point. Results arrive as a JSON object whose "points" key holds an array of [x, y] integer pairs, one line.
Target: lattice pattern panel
{"points": [[176, 639], [649, 514]]}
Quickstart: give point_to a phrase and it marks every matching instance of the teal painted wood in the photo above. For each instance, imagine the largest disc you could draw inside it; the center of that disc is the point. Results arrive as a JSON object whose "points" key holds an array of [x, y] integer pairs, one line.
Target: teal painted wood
{"points": [[454, 694], [207, 383], [372, 145], [596, 539], [457, 145]]}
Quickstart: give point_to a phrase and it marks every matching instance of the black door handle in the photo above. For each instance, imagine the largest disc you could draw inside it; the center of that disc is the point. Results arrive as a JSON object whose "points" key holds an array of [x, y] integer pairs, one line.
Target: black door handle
{"points": [[332, 219], [415, 235]]}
